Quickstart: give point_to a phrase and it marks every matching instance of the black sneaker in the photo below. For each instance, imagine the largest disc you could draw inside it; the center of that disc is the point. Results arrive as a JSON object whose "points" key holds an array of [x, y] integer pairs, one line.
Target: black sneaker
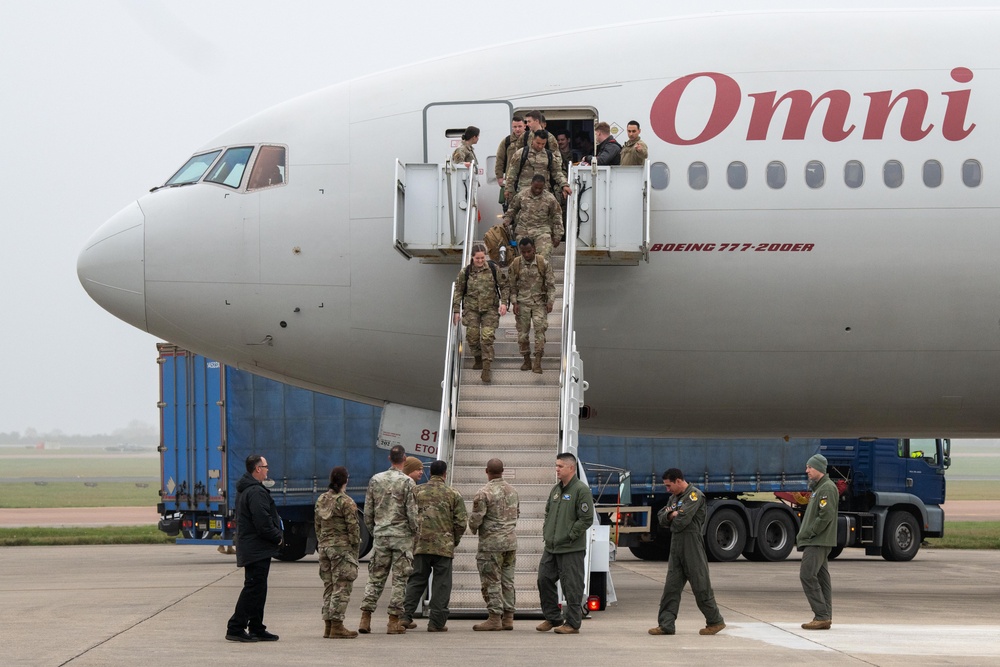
{"points": [[264, 636], [241, 636]]}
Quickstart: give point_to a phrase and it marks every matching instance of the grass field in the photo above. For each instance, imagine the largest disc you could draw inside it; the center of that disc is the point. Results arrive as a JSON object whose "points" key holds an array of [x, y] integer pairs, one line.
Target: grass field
{"points": [[968, 535], [972, 490], [17, 537], [75, 494], [97, 465]]}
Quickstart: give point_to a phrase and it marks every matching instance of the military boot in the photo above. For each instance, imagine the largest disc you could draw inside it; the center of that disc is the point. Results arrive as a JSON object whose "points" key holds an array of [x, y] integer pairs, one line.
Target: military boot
{"points": [[338, 631], [394, 628], [508, 620], [536, 367], [407, 622], [492, 623], [366, 622], [526, 366], [486, 377], [326, 632], [478, 363]]}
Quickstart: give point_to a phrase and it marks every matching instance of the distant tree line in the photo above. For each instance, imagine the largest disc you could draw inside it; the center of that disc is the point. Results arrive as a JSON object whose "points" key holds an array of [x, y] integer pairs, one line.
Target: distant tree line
{"points": [[136, 433]]}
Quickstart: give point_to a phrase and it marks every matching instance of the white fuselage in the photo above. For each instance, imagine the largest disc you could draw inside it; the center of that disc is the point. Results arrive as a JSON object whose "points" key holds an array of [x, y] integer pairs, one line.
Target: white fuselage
{"points": [[842, 311]]}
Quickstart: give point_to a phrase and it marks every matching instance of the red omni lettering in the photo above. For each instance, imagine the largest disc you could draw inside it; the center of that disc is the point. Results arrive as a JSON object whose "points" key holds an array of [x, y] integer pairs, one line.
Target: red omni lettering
{"points": [[802, 106]]}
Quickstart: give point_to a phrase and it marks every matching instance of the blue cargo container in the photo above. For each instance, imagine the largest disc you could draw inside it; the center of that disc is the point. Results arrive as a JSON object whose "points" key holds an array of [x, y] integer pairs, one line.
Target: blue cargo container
{"points": [[213, 416]]}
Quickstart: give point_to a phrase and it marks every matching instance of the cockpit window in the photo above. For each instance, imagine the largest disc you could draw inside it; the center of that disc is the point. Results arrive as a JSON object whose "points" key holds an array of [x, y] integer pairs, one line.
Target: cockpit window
{"points": [[268, 168], [229, 170], [193, 169]]}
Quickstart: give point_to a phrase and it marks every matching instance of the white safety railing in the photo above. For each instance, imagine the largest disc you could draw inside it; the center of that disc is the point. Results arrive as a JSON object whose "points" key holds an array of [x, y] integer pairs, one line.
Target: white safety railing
{"points": [[453, 351], [571, 383]]}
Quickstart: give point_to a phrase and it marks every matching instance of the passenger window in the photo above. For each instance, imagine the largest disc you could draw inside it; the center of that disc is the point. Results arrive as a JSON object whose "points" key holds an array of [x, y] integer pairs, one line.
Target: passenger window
{"points": [[932, 173], [269, 168], [776, 175], [736, 175], [892, 173], [659, 175], [229, 170], [972, 173], [193, 169], [698, 176], [815, 174], [854, 174]]}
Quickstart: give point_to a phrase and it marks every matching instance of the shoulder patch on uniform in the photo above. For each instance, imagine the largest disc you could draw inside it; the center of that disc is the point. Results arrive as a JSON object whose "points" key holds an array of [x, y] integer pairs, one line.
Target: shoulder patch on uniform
{"points": [[584, 507], [822, 502], [693, 496]]}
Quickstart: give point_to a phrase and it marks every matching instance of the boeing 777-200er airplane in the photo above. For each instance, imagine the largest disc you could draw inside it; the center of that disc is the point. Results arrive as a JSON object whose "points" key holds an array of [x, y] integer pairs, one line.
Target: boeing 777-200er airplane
{"points": [[819, 257]]}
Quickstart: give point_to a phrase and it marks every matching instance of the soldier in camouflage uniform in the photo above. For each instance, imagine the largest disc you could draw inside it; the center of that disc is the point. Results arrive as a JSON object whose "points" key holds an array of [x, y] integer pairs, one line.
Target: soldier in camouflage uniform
{"points": [[684, 515], [539, 160], [535, 214], [391, 517], [337, 539], [505, 151], [533, 293], [494, 515], [464, 154], [482, 291], [442, 517], [634, 151]]}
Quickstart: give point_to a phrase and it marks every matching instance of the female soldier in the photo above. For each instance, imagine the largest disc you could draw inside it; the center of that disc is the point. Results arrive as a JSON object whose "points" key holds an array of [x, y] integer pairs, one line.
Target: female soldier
{"points": [[338, 536], [480, 292], [464, 153]]}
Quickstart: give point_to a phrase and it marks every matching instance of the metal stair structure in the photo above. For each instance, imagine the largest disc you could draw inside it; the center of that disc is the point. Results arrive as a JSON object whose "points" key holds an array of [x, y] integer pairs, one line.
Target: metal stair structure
{"points": [[521, 417]]}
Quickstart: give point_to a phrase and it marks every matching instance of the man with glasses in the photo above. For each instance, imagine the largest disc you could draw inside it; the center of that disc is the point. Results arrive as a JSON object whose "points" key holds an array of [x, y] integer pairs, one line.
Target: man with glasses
{"points": [[258, 536]]}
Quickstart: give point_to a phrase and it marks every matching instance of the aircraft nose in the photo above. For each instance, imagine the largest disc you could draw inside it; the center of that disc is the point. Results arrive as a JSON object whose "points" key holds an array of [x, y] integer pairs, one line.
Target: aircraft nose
{"points": [[110, 266]]}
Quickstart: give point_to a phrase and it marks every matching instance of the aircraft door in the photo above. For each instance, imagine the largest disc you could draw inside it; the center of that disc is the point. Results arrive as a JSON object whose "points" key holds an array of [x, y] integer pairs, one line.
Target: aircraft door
{"points": [[444, 123]]}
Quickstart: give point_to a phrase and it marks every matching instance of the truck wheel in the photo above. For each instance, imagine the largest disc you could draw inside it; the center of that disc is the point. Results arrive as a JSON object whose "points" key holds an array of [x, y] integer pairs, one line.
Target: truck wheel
{"points": [[296, 536], [902, 537], [366, 538], [834, 552], [775, 536], [726, 536]]}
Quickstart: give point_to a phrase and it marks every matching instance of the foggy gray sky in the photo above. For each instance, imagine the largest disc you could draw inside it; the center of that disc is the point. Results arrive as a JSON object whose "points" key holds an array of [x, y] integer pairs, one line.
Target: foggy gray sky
{"points": [[102, 100]]}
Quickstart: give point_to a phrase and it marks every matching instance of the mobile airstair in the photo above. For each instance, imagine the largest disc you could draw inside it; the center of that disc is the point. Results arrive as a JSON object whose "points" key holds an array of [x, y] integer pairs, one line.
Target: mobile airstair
{"points": [[523, 418]]}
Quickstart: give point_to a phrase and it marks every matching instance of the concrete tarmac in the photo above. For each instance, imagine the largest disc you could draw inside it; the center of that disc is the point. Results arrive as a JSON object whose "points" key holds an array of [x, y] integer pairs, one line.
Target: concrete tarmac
{"points": [[167, 604]]}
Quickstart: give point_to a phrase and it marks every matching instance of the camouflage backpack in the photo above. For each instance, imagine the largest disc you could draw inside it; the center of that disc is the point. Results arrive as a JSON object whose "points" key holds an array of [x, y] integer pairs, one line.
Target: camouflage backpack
{"points": [[499, 245]]}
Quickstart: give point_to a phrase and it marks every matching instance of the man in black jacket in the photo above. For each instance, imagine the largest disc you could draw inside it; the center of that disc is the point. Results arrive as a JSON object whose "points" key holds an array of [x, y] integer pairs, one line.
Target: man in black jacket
{"points": [[258, 536], [608, 150]]}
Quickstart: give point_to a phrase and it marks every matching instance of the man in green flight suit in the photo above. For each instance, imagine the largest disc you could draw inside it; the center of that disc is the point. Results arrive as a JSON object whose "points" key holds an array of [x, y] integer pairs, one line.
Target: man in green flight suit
{"points": [[684, 515], [817, 535]]}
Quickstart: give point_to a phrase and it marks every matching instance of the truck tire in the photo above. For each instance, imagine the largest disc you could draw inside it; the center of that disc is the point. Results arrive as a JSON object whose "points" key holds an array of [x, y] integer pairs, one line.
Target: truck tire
{"points": [[902, 537], [296, 537], [775, 536], [366, 538], [726, 536], [834, 552]]}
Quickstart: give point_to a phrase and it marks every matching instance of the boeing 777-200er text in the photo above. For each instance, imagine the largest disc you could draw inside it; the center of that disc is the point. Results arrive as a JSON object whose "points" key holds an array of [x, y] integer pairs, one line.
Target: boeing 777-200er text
{"points": [[817, 226]]}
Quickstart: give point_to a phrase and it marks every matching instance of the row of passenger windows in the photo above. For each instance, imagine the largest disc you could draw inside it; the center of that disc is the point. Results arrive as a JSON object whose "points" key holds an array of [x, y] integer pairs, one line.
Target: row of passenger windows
{"points": [[776, 174]]}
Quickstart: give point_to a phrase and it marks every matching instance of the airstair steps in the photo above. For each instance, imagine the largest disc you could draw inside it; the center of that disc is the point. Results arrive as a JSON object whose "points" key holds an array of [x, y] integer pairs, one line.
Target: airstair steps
{"points": [[515, 418]]}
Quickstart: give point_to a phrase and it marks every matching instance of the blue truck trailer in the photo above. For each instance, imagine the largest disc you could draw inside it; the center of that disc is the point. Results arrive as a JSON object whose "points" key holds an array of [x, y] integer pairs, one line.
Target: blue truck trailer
{"points": [[892, 490], [213, 416]]}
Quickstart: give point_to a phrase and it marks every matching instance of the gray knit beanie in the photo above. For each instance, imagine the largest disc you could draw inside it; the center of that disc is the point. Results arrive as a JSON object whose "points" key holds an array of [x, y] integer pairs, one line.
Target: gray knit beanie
{"points": [[817, 462]]}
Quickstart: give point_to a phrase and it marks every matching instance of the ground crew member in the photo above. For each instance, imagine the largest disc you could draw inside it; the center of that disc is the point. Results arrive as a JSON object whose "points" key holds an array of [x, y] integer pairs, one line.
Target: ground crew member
{"points": [[569, 512], [817, 535], [442, 518], [533, 293], [258, 537], [481, 291], [495, 510], [684, 516], [635, 151], [534, 159], [464, 154], [337, 539], [391, 517], [608, 151]]}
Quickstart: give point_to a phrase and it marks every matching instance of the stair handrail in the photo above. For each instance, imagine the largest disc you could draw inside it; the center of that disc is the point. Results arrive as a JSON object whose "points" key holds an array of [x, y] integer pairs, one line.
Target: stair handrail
{"points": [[453, 349], [571, 384]]}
